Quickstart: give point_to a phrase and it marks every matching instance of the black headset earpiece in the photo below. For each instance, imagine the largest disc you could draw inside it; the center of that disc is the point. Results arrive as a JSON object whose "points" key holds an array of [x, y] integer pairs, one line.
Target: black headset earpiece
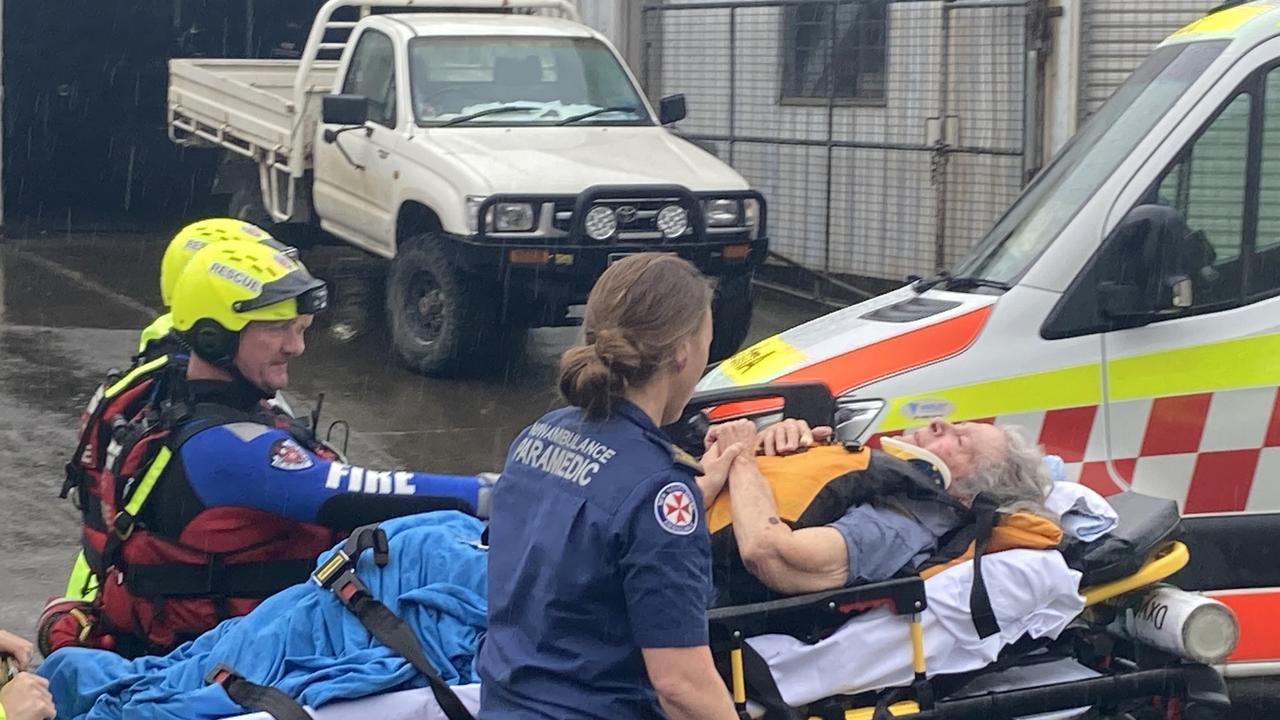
{"points": [[213, 343]]}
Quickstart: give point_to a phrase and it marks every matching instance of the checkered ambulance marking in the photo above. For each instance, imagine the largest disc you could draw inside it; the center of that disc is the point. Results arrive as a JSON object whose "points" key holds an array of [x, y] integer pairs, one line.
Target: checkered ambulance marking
{"points": [[1212, 452]]}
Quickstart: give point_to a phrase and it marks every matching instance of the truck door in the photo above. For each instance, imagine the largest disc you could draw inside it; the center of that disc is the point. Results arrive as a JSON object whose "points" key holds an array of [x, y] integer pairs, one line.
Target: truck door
{"points": [[1191, 377], [353, 197]]}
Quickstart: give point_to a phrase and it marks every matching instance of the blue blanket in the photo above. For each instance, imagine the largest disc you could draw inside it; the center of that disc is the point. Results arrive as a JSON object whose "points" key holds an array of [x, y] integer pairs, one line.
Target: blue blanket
{"points": [[302, 640]]}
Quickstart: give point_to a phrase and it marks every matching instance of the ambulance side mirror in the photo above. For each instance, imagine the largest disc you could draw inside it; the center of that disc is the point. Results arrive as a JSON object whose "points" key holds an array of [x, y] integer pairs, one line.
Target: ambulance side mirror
{"points": [[1123, 302], [1138, 283]]}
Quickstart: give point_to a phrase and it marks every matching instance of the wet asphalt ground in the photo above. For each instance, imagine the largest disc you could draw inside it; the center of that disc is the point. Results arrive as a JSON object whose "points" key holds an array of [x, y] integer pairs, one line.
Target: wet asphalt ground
{"points": [[70, 310]]}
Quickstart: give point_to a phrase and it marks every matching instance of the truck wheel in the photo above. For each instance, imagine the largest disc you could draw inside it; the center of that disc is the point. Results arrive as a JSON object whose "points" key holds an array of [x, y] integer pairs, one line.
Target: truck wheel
{"points": [[731, 315], [441, 320]]}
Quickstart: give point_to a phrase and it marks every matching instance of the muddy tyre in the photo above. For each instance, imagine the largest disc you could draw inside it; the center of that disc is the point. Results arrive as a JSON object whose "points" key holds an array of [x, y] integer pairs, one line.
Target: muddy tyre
{"points": [[731, 315], [442, 321]]}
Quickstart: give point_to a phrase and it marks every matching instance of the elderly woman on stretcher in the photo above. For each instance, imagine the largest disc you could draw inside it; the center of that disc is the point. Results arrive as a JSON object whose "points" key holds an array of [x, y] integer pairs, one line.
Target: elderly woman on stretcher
{"points": [[810, 516]]}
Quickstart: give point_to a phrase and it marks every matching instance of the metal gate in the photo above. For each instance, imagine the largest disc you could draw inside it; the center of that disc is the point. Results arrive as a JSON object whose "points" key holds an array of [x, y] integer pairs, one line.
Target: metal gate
{"points": [[886, 135]]}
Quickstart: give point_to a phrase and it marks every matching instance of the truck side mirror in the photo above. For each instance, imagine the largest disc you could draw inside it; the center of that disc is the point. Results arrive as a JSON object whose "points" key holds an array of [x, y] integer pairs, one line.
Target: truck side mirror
{"points": [[348, 110], [672, 109]]}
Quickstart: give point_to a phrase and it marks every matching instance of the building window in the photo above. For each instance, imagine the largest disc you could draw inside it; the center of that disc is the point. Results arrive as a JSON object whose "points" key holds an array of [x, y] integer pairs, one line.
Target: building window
{"points": [[834, 51]]}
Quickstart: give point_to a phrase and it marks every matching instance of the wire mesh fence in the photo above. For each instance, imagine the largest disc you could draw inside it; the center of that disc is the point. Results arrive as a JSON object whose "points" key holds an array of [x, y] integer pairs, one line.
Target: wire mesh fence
{"points": [[886, 135]]}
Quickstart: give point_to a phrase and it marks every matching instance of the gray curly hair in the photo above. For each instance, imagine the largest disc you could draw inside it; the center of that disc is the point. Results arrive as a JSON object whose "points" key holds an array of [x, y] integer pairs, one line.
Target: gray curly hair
{"points": [[1017, 479]]}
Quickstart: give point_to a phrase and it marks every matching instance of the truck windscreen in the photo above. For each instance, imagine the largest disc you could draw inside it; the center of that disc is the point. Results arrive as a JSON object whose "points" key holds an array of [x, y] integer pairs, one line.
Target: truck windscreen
{"points": [[468, 81], [1084, 164]]}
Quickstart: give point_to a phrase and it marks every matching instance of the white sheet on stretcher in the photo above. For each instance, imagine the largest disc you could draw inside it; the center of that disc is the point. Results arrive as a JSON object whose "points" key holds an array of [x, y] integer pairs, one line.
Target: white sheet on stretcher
{"points": [[1033, 592]]}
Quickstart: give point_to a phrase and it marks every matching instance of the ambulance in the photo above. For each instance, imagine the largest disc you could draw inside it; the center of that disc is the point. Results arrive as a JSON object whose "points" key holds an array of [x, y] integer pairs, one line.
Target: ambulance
{"points": [[1125, 311]]}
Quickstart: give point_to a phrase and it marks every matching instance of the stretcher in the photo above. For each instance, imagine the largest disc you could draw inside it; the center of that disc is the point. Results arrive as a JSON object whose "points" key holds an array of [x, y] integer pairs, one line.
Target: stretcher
{"points": [[1084, 666], [1108, 659]]}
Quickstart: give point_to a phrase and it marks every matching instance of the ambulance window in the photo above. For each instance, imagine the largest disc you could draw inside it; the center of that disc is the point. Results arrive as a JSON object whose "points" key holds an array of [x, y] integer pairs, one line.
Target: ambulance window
{"points": [[1207, 186], [1264, 266]]}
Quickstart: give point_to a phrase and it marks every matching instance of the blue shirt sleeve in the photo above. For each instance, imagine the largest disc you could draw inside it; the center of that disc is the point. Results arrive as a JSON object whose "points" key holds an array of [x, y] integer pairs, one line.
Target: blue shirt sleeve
{"points": [[665, 562], [255, 466], [881, 541]]}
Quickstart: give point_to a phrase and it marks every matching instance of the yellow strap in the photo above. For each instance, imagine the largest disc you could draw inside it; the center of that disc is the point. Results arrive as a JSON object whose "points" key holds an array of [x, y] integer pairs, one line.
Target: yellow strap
{"points": [[148, 482], [917, 644], [739, 679], [133, 374], [2, 715]]}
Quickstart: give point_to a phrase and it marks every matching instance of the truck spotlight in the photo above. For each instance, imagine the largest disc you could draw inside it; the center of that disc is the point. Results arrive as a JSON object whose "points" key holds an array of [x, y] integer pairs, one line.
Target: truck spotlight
{"points": [[513, 217], [601, 223], [673, 221]]}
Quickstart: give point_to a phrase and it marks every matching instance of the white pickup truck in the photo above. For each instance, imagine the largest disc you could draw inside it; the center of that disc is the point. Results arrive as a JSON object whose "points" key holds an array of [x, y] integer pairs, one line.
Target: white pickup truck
{"points": [[499, 153]]}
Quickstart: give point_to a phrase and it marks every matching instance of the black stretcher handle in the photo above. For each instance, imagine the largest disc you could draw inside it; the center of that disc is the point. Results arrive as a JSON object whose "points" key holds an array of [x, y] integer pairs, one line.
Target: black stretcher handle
{"points": [[815, 613], [808, 401]]}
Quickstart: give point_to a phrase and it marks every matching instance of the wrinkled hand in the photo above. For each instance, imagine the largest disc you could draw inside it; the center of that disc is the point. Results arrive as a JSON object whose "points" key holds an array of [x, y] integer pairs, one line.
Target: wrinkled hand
{"points": [[724, 444], [26, 697], [20, 649], [730, 433], [789, 436]]}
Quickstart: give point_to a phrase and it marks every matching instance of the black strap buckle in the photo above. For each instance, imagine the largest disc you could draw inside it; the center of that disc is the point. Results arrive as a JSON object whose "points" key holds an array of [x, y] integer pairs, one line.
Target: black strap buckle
{"points": [[338, 573], [122, 525], [75, 478]]}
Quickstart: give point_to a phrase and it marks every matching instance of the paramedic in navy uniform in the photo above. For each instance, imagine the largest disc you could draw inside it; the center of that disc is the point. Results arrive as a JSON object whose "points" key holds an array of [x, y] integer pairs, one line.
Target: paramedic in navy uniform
{"points": [[599, 559]]}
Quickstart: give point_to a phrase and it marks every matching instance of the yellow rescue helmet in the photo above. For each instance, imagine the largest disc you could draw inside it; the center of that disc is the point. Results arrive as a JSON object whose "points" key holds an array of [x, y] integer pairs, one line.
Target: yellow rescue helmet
{"points": [[195, 236], [228, 285]]}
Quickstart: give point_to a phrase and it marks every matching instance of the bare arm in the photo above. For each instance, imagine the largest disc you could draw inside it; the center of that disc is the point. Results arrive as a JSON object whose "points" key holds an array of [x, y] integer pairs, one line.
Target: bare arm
{"points": [[688, 686], [786, 560]]}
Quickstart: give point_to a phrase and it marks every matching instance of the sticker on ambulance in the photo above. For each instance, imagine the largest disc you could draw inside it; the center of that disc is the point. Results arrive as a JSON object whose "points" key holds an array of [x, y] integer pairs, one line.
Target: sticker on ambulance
{"points": [[927, 409], [763, 361]]}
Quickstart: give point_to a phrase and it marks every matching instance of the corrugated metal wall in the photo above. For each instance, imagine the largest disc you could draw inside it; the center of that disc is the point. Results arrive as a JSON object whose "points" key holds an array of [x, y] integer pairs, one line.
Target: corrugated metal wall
{"points": [[868, 207], [1118, 34]]}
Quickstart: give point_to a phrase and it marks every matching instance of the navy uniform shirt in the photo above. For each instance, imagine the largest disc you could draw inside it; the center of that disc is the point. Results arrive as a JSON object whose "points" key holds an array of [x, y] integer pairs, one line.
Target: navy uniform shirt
{"points": [[597, 548]]}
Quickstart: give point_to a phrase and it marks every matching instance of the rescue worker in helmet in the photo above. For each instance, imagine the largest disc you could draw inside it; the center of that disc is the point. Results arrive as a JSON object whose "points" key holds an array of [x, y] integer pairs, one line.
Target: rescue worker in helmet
{"points": [[157, 339], [178, 253], [213, 500]]}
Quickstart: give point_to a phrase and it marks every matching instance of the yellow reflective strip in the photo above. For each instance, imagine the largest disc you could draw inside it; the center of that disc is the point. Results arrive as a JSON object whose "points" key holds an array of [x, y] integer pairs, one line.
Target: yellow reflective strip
{"points": [[917, 644], [155, 331], [133, 374], [739, 679], [148, 481], [1069, 387], [1240, 363], [82, 585], [1229, 365]]}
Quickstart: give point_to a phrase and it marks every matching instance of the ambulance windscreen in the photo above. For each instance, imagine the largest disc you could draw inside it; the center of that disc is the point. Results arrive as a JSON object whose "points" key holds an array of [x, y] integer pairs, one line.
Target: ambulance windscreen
{"points": [[1084, 164]]}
